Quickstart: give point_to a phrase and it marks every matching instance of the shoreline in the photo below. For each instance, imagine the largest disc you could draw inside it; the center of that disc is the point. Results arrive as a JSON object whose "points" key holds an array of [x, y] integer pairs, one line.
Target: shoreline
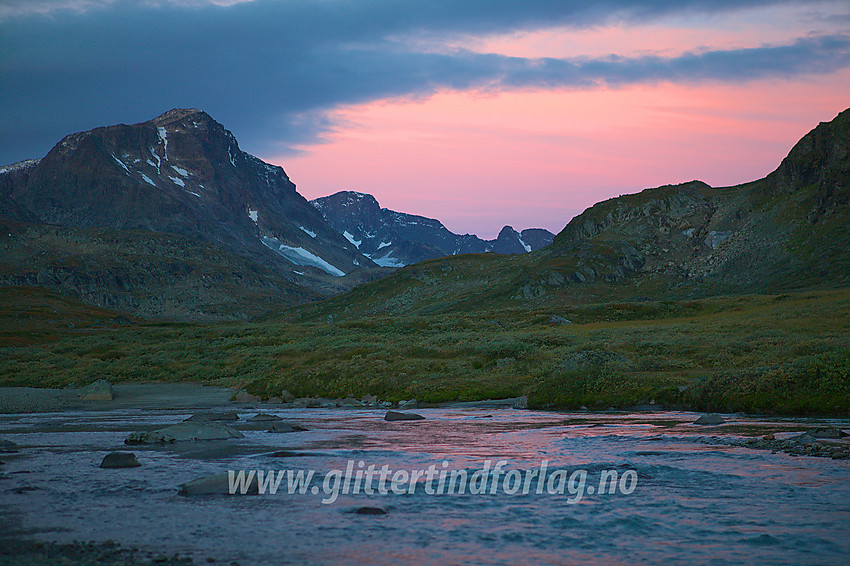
{"points": [[196, 395]]}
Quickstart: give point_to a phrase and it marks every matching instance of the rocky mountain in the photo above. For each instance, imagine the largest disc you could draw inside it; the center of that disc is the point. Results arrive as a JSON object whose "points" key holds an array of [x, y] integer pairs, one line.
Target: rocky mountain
{"points": [[180, 178], [181, 173], [396, 239], [788, 231]]}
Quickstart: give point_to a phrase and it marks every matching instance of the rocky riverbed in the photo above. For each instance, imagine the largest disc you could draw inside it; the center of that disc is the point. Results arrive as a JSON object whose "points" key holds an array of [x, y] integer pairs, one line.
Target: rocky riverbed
{"points": [[149, 484]]}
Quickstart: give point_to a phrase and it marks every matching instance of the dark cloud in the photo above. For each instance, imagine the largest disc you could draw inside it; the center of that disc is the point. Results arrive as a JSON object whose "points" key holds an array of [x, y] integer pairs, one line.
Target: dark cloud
{"points": [[270, 70]]}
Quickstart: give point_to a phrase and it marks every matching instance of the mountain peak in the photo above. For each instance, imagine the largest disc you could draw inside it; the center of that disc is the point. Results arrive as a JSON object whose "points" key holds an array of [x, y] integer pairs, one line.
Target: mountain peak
{"points": [[178, 114]]}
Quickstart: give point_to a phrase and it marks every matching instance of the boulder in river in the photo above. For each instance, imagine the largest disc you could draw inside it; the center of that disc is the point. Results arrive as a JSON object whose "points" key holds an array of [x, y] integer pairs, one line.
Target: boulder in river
{"points": [[264, 417], [7, 446], [100, 390], [243, 396], [310, 403], [218, 484], [213, 416], [369, 511], [396, 416], [826, 432], [710, 420], [411, 404], [184, 432], [281, 426], [120, 460]]}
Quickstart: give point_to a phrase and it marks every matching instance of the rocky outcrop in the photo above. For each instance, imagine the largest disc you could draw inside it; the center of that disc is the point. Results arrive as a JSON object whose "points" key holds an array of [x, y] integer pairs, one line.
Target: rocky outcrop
{"points": [[184, 432], [806, 444]]}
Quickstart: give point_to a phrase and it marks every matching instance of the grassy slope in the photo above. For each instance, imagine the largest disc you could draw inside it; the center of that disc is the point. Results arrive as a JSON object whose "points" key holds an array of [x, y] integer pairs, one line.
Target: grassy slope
{"points": [[786, 353]]}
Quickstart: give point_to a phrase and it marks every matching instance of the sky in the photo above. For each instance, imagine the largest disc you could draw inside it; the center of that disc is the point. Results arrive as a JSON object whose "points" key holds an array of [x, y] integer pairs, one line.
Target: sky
{"points": [[478, 113]]}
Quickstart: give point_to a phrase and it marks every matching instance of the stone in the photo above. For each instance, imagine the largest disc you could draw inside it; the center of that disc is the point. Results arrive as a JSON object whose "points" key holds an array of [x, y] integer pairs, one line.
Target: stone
{"points": [[396, 416], [370, 400], [369, 511], [710, 420], [263, 417], [218, 484], [410, 404], [521, 402], [716, 237], [184, 432], [120, 460], [287, 396], [275, 400], [557, 319], [285, 427], [7, 446], [100, 390], [769, 436], [349, 402], [243, 396], [212, 417], [307, 403], [827, 432]]}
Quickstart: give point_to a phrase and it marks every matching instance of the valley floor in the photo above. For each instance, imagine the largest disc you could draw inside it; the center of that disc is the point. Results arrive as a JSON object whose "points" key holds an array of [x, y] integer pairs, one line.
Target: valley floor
{"points": [[787, 353]]}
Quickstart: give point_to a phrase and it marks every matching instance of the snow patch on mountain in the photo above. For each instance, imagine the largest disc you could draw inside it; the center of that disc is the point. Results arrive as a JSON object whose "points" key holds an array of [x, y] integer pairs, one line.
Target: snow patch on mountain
{"points": [[180, 171], [350, 238], [163, 135], [388, 261], [300, 256], [121, 163]]}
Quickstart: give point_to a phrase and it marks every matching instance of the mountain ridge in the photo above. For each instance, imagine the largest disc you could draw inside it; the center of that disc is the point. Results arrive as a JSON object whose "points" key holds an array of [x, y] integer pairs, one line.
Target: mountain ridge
{"points": [[395, 239]]}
